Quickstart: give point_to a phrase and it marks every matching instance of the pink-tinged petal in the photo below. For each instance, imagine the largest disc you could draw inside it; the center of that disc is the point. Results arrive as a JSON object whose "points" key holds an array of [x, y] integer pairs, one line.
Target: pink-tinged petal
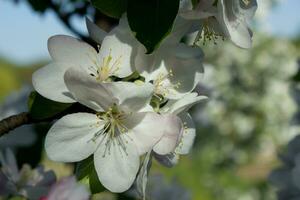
{"points": [[145, 129], [172, 133]]}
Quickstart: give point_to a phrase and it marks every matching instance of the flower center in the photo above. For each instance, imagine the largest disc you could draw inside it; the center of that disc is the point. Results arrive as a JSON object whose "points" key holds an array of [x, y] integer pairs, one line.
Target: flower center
{"points": [[107, 68], [246, 2], [162, 84], [208, 33], [113, 129]]}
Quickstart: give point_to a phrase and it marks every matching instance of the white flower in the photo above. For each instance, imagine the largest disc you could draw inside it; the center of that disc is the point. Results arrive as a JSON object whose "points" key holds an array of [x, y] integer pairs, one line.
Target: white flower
{"points": [[174, 68], [226, 18], [68, 189], [235, 18], [113, 59], [180, 108], [118, 131]]}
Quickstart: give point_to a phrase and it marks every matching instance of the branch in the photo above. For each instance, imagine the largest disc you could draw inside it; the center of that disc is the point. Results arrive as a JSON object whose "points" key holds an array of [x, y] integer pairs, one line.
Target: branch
{"points": [[65, 19], [14, 121]]}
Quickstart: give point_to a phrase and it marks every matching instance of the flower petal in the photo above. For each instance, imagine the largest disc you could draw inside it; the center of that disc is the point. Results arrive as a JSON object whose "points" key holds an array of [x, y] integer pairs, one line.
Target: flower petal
{"points": [[116, 167], [188, 136], [142, 178], [71, 51], [183, 104], [131, 96], [70, 138], [145, 129], [168, 160], [95, 32], [87, 90], [172, 134], [234, 17], [119, 44], [187, 69], [48, 81]]}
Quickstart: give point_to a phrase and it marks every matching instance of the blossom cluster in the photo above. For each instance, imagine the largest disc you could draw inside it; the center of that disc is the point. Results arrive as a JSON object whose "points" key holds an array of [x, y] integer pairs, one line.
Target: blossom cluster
{"points": [[137, 103]]}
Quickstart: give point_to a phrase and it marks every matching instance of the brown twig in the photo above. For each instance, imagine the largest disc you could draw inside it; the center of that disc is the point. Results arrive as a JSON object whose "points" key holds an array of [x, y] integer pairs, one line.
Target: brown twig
{"points": [[14, 121]]}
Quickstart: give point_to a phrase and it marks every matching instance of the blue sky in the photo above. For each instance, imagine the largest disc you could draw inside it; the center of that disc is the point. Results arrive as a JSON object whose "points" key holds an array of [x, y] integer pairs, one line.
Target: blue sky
{"points": [[24, 33]]}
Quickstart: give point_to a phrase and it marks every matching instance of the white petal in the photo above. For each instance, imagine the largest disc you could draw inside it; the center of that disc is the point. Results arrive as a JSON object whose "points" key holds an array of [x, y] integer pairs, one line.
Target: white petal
{"points": [[100, 96], [235, 19], [240, 35], [187, 69], [131, 96], [95, 32], [71, 51], [49, 82], [183, 104], [172, 134], [70, 138], [142, 178], [180, 66], [116, 168], [188, 136], [168, 160], [119, 46], [88, 91], [145, 129]]}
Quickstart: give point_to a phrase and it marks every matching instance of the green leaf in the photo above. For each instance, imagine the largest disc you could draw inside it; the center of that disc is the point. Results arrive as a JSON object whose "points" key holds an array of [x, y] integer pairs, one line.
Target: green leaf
{"points": [[112, 8], [38, 5], [86, 174], [42, 108], [151, 20], [195, 3]]}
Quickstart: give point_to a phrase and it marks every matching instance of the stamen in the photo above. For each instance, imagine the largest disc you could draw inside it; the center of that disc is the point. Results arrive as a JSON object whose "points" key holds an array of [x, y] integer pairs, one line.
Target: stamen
{"points": [[162, 86], [102, 71], [208, 34], [113, 131]]}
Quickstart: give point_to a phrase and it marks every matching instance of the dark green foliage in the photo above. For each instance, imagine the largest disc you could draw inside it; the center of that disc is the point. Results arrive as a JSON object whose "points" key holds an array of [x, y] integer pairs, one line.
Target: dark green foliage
{"points": [[86, 173], [38, 5], [151, 20], [112, 8], [41, 108]]}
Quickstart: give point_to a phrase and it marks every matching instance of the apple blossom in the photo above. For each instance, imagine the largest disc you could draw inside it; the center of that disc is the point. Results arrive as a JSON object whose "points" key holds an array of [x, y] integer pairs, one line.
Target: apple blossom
{"points": [[113, 59], [117, 133], [180, 108], [174, 68], [224, 18]]}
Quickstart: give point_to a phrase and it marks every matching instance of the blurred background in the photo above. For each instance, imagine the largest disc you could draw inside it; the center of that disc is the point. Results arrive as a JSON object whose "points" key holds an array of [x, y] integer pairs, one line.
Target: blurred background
{"points": [[251, 115]]}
